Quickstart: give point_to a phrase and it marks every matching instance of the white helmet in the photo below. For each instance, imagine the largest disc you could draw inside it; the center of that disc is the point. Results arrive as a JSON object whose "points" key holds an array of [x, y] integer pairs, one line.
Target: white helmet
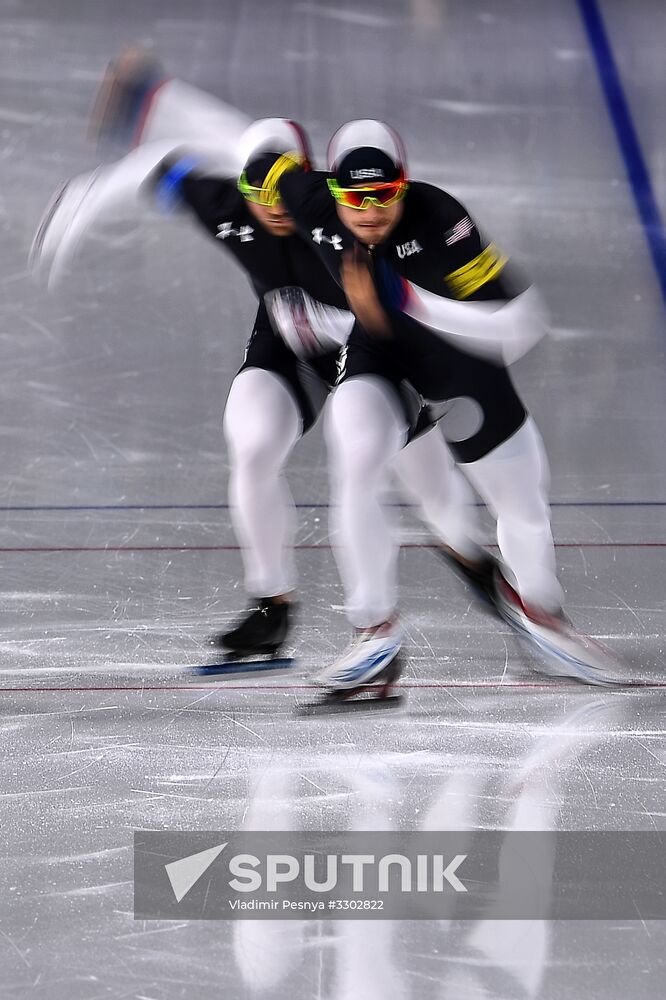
{"points": [[365, 138], [273, 135]]}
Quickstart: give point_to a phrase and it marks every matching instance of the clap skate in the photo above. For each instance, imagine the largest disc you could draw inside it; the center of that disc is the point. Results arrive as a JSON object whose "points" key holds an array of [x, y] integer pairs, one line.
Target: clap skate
{"points": [[253, 645], [480, 575], [364, 675], [121, 99], [562, 651]]}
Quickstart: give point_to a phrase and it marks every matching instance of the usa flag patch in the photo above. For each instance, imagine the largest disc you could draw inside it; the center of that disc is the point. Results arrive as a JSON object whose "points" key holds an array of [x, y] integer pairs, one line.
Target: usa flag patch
{"points": [[459, 231]]}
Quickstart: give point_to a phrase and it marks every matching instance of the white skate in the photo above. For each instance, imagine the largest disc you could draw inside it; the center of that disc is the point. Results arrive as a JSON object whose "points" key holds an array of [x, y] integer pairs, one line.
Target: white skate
{"points": [[369, 667], [564, 652]]}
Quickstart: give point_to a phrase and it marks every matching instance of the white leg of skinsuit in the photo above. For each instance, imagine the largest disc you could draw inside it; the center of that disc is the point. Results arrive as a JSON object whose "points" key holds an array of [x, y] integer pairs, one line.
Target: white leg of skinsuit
{"points": [[262, 423], [365, 430], [513, 480], [428, 476]]}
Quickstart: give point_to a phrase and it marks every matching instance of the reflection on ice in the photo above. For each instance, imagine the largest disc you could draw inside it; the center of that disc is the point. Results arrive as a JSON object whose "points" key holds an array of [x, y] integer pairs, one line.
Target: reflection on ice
{"points": [[267, 951], [364, 957]]}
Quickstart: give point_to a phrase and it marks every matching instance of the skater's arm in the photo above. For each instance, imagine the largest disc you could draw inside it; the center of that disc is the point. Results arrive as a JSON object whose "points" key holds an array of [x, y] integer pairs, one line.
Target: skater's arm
{"points": [[183, 180], [308, 326], [91, 199], [462, 287], [136, 101], [501, 331], [361, 293], [120, 189]]}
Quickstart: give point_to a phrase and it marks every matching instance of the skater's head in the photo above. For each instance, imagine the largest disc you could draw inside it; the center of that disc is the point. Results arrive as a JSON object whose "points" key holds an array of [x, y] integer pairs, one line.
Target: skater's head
{"points": [[271, 148], [369, 182]]}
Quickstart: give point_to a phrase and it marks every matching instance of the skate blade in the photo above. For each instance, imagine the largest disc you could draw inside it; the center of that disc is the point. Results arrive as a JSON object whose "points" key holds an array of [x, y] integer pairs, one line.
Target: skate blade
{"points": [[548, 660], [353, 703], [250, 666]]}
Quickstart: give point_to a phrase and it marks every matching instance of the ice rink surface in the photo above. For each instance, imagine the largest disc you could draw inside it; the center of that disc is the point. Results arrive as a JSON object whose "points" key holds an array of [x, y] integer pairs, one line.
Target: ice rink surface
{"points": [[118, 559]]}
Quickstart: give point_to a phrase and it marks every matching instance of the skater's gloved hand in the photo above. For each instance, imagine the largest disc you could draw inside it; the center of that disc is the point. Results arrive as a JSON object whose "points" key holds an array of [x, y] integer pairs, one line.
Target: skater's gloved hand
{"points": [[361, 292], [308, 327]]}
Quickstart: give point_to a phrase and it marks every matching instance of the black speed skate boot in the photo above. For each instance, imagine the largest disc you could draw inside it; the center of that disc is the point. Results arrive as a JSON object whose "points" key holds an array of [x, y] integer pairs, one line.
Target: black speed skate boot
{"points": [[480, 575], [261, 632], [253, 645]]}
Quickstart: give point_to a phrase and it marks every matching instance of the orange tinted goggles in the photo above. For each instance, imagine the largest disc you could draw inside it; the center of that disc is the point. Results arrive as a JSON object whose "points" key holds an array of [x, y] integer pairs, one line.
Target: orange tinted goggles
{"points": [[363, 197]]}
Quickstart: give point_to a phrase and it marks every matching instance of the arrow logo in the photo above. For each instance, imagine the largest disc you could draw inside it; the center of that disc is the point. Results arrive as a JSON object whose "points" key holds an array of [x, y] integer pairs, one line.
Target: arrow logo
{"points": [[186, 872]]}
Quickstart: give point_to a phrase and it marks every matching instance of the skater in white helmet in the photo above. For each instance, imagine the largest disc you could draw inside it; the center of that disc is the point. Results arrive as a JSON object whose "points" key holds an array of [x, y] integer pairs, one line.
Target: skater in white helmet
{"points": [[441, 306], [189, 144]]}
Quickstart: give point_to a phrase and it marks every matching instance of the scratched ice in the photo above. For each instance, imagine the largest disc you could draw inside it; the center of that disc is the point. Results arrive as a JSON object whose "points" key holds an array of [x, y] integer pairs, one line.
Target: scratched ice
{"points": [[118, 557]]}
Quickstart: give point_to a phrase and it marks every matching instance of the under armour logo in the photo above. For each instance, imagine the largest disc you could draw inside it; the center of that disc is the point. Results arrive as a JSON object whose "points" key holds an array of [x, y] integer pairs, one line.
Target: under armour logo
{"points": [[226, 229], [341, 365], [335, 241]]}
